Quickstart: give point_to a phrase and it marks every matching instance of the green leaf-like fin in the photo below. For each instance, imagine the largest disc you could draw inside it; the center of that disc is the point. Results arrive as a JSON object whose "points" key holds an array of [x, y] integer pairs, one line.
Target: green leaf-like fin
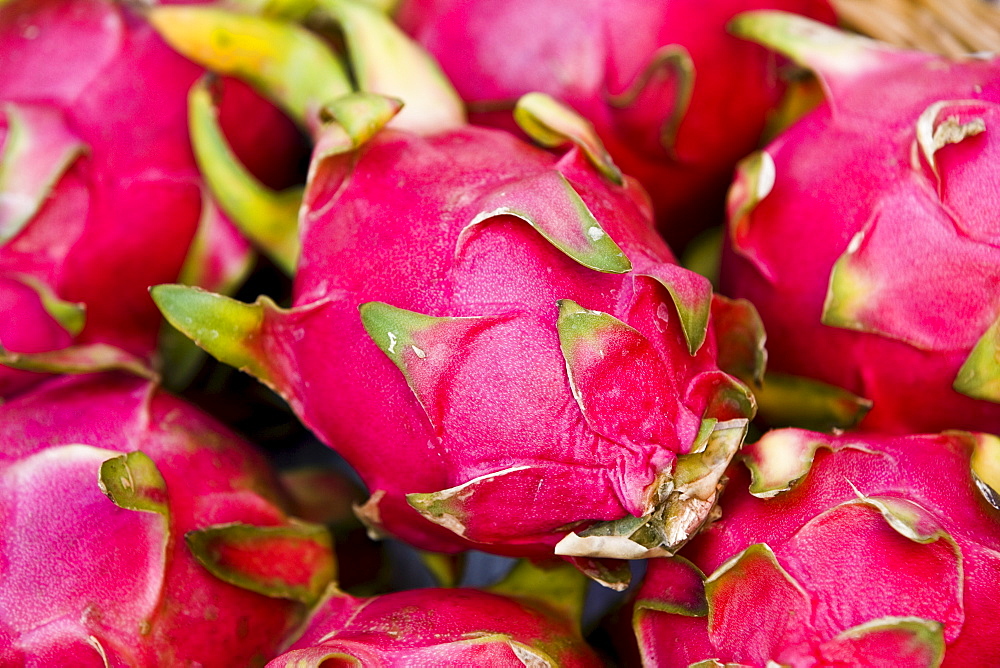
{"points": [[348, 122], [319, 656], [674, 60], [551, 124], [782, 457], [619, 380], [71, 316], [293, 561], [448, 507], [227, 329], [531, 657], [692, 297], [423, 347], [909, 519], [979, 376], [133, 482], [363, 115], [754, 180], [755, 569], [836, 56], [285, 62], [387, 61], [549, 203], [268, 218], [394, 329], [686, 593], [740, 339], [583, 337], [37, 151], [908, 639], [934, 133], [849, 294], [796, 401], [78, 359]]}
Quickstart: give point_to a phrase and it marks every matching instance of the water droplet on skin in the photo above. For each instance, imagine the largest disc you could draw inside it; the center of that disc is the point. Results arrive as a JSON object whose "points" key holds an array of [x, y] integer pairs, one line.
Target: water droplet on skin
{"points": [[418, 352], [595, 233], [662, 317], [855, 242], [392, 342]]}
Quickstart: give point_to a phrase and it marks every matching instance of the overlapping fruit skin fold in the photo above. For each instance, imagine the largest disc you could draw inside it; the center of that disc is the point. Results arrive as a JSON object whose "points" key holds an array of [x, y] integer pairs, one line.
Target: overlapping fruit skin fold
{"points": [[847, 550], [436, 627], [527, 361], [656, 79], [105, 481], [101, 194], [867, 234]]}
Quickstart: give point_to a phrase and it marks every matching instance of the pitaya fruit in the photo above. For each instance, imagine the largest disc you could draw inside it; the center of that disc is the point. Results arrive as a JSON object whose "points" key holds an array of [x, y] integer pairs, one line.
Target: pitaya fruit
{"points": [[867, 234], [851, 551], [436, 627], [123, 510], [657, 79], [100, 196], [530, 373]]}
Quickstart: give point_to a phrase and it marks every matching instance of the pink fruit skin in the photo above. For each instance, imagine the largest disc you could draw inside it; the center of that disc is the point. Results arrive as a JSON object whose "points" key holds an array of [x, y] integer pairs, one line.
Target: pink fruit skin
{"points": [[852, 566], [495, 398], [932, 260], [584, 53], [122, 216], [80, 571], [434, 627]]}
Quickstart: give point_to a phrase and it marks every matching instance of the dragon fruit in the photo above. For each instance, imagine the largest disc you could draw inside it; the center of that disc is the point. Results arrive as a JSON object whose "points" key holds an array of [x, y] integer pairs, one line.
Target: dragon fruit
{"points": [[302, 72], [530, 373], [454, 627], [657, 79], [129, 518], [100, 196], [851, 550], [866, 235]]}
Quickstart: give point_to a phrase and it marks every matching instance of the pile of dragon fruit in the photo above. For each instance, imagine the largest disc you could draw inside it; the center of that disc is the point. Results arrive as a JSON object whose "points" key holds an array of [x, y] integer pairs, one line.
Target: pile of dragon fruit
{"points": [[494, 333]]}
